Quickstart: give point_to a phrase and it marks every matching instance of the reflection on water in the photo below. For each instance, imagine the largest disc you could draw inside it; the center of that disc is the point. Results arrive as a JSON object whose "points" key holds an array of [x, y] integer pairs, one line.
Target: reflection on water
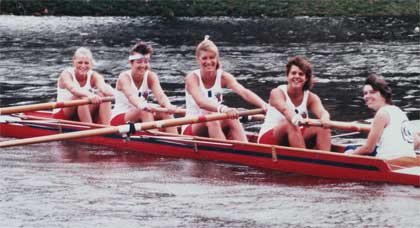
{"points": [[56, 185], [64, 184]]}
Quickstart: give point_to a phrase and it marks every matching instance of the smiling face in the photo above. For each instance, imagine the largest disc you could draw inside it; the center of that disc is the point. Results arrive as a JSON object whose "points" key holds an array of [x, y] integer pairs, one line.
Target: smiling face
{"points": [[208, 61], [141, 65], [373, 98], [82, 64], [296, 78]]}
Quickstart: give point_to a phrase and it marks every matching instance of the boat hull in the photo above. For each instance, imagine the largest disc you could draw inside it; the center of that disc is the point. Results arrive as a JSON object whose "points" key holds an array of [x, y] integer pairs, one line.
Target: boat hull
{"points": [[286, 159]]}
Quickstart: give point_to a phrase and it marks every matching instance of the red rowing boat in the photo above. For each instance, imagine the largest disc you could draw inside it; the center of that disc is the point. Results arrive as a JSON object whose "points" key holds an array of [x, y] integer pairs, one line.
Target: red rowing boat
{"points": [[326, 164]]}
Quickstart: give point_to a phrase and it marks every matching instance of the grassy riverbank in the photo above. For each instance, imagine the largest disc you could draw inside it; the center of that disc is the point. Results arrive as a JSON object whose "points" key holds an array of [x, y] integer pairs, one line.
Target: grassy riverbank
{"points": [[190, 8]]}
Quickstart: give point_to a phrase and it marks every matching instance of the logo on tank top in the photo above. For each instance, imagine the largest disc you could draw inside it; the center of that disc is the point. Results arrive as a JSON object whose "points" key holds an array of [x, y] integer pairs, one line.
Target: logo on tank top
{"points": [[407, 131], [219, 97], [303, 114], [145, 94]]}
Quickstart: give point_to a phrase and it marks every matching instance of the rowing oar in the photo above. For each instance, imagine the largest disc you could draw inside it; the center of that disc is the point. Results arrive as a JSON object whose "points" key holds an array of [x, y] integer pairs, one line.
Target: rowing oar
{"points": [[181, 111], [50, 105], [345, 126], [158, 108], [412, 125], [127, 128]]}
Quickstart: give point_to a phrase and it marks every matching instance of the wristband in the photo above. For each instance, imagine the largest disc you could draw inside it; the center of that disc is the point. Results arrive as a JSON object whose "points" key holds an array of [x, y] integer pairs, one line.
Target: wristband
{"points": [[221, 108]]}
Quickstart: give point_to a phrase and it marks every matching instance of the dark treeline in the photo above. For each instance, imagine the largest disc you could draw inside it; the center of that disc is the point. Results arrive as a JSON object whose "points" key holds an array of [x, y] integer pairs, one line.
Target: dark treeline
{"points": [[191, 8]]}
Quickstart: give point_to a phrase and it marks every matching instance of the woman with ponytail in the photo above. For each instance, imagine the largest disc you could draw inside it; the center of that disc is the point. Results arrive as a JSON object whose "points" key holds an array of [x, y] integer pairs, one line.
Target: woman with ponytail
{"points": [[204, 88]]}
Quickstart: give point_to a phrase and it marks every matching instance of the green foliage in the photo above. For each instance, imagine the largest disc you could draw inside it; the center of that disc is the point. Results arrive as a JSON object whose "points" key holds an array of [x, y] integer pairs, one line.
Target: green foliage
{"points": [[191, 8]]}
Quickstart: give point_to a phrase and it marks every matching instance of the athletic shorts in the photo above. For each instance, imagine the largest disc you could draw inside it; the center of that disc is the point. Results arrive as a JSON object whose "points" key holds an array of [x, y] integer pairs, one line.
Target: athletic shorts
{"points": [[354, 147], [118, 120], [188, 130], [268, 137], [59, 115]]}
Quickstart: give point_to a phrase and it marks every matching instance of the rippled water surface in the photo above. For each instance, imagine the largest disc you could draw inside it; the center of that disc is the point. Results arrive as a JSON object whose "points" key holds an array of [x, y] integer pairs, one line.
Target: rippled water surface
{"points": [[66, 185]]}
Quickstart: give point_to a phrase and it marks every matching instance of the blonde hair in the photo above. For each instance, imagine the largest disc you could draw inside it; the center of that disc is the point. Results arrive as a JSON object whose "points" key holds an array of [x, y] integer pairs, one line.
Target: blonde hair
{"points": [[85, 52], [208, 45]]}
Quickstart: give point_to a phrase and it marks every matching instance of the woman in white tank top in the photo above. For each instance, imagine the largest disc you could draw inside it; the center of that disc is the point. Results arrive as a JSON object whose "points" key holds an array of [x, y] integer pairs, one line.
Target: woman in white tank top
{"points": [[388, 136], [134, 87], [79, 82], [289, 107], [203, 89]]}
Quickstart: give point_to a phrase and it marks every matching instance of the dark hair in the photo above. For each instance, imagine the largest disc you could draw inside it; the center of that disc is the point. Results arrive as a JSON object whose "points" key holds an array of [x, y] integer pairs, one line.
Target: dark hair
{"points": [[379, 84], [304, 66], [142, 48]]}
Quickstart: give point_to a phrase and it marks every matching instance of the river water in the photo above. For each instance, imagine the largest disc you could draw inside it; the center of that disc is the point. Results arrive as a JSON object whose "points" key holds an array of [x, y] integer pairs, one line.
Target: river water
{"points": [[61, 184]]}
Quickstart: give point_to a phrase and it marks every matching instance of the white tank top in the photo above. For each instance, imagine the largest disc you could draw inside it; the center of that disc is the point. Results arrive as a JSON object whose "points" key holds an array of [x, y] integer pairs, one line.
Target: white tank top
{"points": [[122, 105], [66, 95], [215, 94], [395, 141], [273, 117]]}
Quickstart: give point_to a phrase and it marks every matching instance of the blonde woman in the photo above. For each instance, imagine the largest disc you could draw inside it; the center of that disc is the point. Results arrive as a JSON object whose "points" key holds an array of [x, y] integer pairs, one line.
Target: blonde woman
{"points": [[79, 82], [204, 95]]}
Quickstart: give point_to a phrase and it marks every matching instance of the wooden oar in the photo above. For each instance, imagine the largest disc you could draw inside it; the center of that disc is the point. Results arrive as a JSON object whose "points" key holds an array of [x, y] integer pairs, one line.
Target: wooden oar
{"points": [[340, 125], [127, 128], [181, 112], [257, 117], [412, 125], [60, 121], [178, 111], [51, 105]]}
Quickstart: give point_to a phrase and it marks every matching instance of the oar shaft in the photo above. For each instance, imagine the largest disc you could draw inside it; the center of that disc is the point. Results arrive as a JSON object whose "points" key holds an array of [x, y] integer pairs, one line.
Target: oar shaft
{"points": [[345, 126], [191, 120], [71, 122], [122, 129], [257, 117], [51, 105], [65, 136], [178, 111]]}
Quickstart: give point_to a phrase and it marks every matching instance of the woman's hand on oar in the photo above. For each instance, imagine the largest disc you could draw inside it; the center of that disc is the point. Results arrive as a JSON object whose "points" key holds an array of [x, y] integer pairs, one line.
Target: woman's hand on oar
{"points": [[127, 128], [51, 105]]}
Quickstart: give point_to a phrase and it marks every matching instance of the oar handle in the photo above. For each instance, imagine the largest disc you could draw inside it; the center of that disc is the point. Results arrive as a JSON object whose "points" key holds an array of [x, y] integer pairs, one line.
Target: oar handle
{"points": [[128, 128], [340, 125], [51, 105], [256, 117]]}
